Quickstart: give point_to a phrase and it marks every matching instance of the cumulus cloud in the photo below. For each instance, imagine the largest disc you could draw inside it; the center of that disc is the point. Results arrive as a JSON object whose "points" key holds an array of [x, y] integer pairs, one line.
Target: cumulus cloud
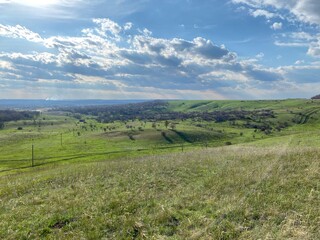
{"points": [[276, 26], [128, 26], [307, 11], [314, 49], [106, 25], [19, 32]]}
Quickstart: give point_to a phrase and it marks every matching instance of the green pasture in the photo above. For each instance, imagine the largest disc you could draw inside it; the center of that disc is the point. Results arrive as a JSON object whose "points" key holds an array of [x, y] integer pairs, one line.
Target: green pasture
{"points": [[59, 137]]}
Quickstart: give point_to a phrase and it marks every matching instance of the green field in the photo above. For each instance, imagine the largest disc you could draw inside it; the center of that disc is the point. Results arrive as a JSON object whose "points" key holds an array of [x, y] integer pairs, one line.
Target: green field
{"points": [[253, 173]]}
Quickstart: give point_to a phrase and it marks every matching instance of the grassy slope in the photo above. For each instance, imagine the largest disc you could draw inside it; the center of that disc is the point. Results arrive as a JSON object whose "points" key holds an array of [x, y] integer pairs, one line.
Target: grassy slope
{"points": [[95, 144], [221, 193], [268, 188], [202, 105]]}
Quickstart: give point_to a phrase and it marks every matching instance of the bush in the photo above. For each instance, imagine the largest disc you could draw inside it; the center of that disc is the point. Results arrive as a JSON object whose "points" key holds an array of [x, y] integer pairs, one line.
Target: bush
{"points": [[131, 137]]}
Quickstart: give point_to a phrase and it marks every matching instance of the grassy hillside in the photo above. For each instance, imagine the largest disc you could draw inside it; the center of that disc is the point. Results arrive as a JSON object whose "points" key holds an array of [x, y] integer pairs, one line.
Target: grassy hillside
{"points": [[251, 174], [205, 105], [61, 137], [234, 192]]}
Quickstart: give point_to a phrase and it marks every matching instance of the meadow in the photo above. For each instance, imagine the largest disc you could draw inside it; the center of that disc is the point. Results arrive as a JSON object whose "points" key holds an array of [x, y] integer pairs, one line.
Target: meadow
{"points": [[252, 175]]}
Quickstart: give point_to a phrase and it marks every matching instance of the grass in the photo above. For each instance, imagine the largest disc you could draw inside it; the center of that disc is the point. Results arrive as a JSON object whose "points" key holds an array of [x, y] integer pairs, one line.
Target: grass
{"points": [[85, 144], [234, 192], [127, 183]]}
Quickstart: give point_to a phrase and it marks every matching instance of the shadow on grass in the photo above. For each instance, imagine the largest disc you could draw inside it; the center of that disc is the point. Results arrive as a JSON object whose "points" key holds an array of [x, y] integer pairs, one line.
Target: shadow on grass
{"points": [[164, 135], [183, 136]]}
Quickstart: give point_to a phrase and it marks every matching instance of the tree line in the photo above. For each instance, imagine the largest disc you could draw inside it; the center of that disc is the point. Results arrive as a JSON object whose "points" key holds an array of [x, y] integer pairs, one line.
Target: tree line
{"points": [[158, 111], [12, 115]]}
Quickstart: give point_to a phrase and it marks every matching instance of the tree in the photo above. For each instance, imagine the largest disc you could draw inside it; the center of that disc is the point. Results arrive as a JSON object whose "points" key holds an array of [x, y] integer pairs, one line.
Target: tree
{"points": [[173, 126], [166, 123], [154, 125]]}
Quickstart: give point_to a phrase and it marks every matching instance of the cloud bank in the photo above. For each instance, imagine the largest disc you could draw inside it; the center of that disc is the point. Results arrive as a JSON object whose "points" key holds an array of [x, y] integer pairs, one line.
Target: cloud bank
{"points": [[110, 60]]}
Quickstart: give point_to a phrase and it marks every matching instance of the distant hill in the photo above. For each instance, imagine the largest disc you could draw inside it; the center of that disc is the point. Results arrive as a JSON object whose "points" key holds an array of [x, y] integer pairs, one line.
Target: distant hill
{"points": [[316, 97], [33, 104]]}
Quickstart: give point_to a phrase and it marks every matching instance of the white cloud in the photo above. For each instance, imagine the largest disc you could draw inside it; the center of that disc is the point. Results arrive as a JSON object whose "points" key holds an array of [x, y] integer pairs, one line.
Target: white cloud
{"points": [[128, 26], [276, 26], [290, 68], [107, 26], [146, 32], [225, 75], [19, 32], [300, 13], [302, 39], [262, 13], [260, 55], [94, 80], [314, 49], [290, 90], [107, 59], [301, 36], [43, 57], [6, 65], [306, 11]]}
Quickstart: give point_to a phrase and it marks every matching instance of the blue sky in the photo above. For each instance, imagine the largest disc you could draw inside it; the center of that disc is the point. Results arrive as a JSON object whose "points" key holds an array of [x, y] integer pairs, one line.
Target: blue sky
{"points": [[147, 49]]}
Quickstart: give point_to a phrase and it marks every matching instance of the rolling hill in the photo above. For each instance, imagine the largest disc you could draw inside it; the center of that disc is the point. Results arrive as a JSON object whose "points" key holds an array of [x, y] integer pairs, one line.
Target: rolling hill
{"points": [[172, 170]]}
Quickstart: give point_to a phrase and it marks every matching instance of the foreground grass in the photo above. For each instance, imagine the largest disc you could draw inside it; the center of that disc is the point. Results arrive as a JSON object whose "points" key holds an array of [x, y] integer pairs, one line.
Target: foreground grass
{"points": [[234, 192]]}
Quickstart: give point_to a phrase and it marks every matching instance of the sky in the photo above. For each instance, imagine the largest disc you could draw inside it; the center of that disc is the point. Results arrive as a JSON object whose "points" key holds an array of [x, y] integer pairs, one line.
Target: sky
{"points": [[151, 49]]}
